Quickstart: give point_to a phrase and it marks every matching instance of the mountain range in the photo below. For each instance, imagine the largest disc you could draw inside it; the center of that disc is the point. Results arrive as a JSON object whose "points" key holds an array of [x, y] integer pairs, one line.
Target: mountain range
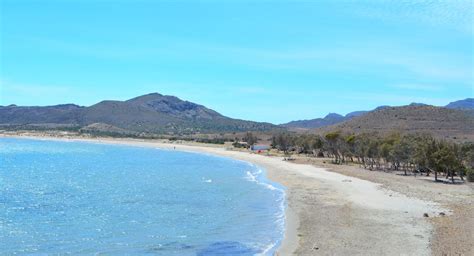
{"points": [[161, 114], [442, 122], [151, 113], [330, 119], [334, 118]]}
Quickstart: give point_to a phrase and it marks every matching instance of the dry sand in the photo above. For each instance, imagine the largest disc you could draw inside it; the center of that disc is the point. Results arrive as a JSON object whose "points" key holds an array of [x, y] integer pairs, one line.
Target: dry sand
{"points": [[453, 234], [335, 213]]}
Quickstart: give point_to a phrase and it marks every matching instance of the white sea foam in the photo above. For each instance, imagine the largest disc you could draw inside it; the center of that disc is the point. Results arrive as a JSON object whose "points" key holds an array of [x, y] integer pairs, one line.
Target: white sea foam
{"points": [[269, 249], [206, 180], [258, 177], [251, 177]]}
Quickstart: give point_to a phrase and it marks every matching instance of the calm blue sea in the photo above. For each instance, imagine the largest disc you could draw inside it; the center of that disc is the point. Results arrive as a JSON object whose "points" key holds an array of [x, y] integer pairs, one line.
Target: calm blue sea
{"points": [[85, 198]]}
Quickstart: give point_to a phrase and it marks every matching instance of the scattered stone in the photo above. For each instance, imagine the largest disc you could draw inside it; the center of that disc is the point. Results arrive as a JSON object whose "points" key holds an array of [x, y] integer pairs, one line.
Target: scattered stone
{"points": [[442, 214], [425, 215], [346, 180], [315, 248]]}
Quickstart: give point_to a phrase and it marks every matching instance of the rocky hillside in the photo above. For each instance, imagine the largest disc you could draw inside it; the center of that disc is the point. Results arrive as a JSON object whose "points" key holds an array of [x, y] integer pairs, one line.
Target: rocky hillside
{"points": [[462, 104], [439, 121], [153, 113], [330, 119], [333, 118]]}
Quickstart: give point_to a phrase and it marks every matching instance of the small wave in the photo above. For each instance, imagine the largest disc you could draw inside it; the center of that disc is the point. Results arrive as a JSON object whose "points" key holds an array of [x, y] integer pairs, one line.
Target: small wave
{"points": [[253, 177], [206, 180], [270, 248], [258, 177]]}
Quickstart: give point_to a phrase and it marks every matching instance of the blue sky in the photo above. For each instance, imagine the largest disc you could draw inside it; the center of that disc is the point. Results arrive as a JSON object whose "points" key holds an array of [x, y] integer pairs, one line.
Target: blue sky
{"points": [[268, 61]]}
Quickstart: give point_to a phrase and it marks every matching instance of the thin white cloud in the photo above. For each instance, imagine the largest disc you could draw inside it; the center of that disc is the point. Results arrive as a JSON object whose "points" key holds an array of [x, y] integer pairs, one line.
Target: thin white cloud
{"points": [[455, 14], [35, 90], [418, 87], [350, 56], [396, 99], [353, 57], [13, 91], [198, 89]]}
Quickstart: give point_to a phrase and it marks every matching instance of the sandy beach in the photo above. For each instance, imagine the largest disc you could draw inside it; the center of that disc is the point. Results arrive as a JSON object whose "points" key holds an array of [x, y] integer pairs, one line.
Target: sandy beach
{"points": [[344, 211], [237, 128]]}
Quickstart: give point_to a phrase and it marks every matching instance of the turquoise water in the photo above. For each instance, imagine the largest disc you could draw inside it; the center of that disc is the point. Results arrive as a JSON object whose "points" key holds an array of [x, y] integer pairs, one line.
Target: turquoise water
{"points": [[85, 198]]}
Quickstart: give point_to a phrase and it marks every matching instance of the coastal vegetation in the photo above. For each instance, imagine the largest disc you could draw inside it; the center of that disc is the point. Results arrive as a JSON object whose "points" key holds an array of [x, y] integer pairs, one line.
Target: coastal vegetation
{"points": [[407, 153]]}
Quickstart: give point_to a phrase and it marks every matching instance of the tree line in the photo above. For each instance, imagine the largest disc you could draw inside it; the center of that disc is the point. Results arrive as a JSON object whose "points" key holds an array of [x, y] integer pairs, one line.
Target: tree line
{"points": [[410, 153]]}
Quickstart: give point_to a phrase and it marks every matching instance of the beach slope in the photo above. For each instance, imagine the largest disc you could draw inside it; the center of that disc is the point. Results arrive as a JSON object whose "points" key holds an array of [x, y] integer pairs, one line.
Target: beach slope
{"points": [[330, 213]]}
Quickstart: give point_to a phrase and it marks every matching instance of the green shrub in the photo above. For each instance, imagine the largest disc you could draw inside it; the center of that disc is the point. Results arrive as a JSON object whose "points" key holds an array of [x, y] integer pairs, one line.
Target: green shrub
{"points": [[470, 175]]}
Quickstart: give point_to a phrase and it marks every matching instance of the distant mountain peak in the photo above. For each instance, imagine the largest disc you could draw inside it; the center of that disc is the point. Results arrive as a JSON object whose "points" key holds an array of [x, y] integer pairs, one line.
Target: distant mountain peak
{"points": [[417, 104], [329, 119], [174, 106], [334, 118], [333, 115], [152, 94], [462, 104], [146, 97], [153, 113], [355, 114], [439, 121], [381, 107]]}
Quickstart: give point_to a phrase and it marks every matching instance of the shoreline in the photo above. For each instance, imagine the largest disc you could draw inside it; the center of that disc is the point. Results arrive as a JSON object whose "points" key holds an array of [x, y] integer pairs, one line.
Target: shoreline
{"points": [[326, 211], [287, 245]]}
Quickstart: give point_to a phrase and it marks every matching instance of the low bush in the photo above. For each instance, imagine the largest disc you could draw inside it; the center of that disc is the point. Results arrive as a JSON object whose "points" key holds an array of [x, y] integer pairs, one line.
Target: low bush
{"points": [[470, 175]]}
